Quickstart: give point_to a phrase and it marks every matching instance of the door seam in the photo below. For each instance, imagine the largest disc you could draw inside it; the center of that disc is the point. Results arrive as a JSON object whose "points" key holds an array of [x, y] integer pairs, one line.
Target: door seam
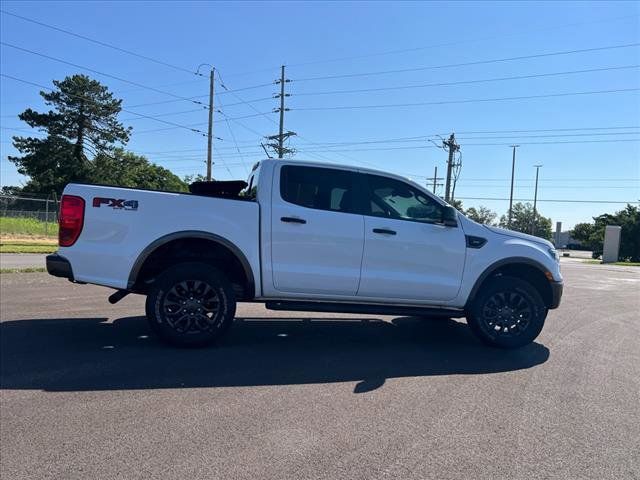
{"points": [[364, 239]]}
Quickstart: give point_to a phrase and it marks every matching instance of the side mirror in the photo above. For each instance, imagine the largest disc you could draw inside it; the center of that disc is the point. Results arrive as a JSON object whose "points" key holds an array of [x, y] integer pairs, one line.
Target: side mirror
{"points": [[449, 216]]}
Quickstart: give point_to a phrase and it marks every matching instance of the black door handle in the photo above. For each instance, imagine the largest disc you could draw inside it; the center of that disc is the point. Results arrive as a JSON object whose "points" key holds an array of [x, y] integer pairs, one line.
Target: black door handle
{"points": [[384, 230], [292, 220]]}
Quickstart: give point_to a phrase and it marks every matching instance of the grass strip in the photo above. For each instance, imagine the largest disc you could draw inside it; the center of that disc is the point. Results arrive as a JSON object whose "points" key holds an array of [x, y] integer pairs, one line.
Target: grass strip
{"points": [[23, 270], [27, 248]]}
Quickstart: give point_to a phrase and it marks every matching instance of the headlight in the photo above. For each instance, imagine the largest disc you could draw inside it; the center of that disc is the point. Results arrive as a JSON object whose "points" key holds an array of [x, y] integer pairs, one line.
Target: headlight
{"points": [[554, 254]]}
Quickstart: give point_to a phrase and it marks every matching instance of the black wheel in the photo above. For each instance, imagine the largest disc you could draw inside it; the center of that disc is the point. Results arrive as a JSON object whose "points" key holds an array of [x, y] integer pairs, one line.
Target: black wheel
{"points": [[507, 313], [190, 305]]}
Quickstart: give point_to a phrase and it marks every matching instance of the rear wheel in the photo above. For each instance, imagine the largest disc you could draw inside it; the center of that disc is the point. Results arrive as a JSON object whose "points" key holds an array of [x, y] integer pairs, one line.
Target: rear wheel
{"points": [[507, 313], [190, 305]]}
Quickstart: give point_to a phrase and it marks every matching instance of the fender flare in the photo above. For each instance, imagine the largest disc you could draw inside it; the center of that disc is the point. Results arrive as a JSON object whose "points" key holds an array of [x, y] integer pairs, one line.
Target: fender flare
{"points": [[149, 249], [495, 266]]}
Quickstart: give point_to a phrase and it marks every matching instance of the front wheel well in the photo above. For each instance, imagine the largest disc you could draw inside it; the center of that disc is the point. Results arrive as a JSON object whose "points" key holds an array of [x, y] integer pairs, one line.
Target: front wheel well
{"points": [[194, 249], [524, 271]]}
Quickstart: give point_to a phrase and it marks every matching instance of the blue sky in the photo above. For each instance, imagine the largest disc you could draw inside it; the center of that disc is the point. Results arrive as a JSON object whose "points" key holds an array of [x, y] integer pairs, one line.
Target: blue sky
{"points": [[578, 138]]}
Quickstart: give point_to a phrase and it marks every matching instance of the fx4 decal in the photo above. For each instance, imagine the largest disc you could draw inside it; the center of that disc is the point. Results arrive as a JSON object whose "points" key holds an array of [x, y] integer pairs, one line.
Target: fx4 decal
{"points": [[119, 204]]}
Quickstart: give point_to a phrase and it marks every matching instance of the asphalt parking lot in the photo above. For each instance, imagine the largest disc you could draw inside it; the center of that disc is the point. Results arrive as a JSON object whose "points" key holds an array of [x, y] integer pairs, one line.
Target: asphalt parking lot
{"points": [[86, 393]]}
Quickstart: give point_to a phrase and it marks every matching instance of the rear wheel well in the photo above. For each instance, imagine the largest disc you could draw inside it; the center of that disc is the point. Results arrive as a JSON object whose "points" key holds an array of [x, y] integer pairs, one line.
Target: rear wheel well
{"points": [[192, 249], [526, 272]]}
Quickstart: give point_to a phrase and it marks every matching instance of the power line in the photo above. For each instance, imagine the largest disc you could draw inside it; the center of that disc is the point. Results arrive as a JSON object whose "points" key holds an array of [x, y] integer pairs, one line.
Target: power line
{"points": [[176, 125], [253, 115], [233, 137], [551, 135], [549, 130], [153, 130], [201, 96], [419, 147], [472, 100], [235, 119], [246, 102], [120, 79], [423, 138], [173, 84], [548, 200], [161, 102], [168, 114], [557, 179], [466, 82], [464, 64], [258, 112], [564, 187], [98, 42], [326, 148], [458, 42], [253, 87], [445, 44]]}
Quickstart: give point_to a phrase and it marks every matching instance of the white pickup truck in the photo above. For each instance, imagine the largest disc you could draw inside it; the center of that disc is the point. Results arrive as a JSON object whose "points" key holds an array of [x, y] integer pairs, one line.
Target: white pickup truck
{"points": [[309, 237]]}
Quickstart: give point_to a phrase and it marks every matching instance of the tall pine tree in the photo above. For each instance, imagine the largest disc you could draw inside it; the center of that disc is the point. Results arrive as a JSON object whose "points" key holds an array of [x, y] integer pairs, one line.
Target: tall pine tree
{"points": [[81, 124]]}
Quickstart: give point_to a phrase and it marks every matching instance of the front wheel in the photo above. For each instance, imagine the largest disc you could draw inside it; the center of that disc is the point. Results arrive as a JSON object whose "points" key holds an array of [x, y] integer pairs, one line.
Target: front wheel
{"points": [[507, 313], [190, 305]]}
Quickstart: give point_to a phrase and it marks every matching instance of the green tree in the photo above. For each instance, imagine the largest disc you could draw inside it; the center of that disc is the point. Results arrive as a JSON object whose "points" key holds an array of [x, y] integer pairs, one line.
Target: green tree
{"points": [[197, 177], [457, 204], [81, 124], [127, 169], [592, 234], [482, 215], [586, 234], [522, 220]]}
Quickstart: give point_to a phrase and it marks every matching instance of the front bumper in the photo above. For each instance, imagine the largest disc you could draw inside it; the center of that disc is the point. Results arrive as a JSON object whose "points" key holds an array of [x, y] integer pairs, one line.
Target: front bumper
{"points": [[59, 266], [556, 294]]}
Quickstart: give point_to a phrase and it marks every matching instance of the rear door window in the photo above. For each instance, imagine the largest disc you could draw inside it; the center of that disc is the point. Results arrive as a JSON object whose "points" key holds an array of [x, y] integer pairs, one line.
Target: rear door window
{"points": [[319, 188]]}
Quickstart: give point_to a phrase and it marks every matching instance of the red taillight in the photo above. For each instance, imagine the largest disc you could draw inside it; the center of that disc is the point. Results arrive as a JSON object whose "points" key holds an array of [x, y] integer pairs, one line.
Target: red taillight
{"points": [[70, 220]]}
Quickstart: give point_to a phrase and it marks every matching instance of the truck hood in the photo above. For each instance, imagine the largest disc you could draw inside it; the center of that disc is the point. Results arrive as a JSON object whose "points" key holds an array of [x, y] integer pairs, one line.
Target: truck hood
{"points": [[524, 236]]}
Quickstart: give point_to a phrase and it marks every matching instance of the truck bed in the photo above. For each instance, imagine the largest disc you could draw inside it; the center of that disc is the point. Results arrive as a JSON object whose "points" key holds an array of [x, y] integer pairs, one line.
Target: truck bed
{"points": [[120, 223]]}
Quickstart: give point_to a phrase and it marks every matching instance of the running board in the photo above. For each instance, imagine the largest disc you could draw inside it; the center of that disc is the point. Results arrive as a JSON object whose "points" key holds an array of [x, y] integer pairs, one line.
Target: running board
{"points": [[368, 308]]}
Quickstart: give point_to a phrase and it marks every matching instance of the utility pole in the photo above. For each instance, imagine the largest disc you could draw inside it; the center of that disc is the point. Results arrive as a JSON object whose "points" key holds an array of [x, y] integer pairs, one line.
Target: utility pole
{"points": [[210, 130], [535, 201], [435, 179], [279, 147], [513, 169], [452, 147], [281, 134]]}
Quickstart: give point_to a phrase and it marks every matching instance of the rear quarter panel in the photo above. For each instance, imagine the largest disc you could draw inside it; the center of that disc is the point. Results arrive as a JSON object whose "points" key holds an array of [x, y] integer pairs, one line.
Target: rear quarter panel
{"points": [[113, 238]]}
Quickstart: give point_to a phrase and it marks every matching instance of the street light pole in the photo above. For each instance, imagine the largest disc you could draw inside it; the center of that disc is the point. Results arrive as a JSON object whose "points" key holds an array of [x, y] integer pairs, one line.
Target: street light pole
{"points": [[513, 169], [535, 202]]}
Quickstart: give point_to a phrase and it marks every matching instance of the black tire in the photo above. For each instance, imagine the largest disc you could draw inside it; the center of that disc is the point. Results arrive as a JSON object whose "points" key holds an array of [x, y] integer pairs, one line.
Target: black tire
{"points": [[190, 305], [507, 313]]}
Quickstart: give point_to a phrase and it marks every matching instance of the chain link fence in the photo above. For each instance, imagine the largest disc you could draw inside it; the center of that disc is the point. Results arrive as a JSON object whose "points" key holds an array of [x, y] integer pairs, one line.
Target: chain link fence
{"points": [[28, 215]]}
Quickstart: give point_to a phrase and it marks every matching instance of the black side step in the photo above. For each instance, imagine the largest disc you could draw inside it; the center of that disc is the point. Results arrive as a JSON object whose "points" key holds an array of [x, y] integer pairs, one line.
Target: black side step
{"points": [[363, 308]]}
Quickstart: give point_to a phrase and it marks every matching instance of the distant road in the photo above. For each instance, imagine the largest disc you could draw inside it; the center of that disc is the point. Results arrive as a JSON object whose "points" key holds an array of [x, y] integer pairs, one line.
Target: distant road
{"points": [[22, 260]]}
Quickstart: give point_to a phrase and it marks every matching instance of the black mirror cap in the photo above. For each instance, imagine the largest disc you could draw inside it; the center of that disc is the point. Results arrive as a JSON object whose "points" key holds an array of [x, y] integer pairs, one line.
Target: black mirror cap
{"points": [[449, 216]]}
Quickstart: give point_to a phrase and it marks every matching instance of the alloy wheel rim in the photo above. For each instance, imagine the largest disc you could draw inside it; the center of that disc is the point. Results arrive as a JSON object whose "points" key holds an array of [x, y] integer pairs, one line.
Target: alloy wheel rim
{"points": [[507, 313], [191, 307]]}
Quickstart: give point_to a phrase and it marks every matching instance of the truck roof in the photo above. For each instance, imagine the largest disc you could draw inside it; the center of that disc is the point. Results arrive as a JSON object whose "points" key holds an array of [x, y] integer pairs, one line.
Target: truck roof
{"points": [[311, 163]]}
